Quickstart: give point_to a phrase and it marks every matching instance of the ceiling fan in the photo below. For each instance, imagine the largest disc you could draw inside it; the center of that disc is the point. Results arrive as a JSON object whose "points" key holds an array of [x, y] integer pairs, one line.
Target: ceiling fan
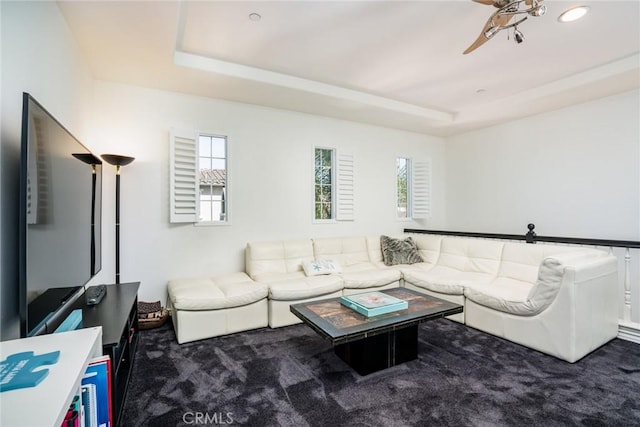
{"points": [[510, 14]]}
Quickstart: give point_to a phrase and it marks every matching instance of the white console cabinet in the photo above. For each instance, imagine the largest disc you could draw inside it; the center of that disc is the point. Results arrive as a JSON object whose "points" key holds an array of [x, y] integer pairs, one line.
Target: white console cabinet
{"points": [[46, 404]]}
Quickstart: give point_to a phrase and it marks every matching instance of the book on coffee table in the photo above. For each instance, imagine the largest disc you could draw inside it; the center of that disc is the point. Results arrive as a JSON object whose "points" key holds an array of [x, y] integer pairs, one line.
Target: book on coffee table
{"points": [[373, 303]]}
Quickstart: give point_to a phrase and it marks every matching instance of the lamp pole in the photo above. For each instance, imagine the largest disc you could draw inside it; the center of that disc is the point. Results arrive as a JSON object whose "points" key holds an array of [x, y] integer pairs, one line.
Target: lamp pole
{"points": [[118, 161], [93, 161]]}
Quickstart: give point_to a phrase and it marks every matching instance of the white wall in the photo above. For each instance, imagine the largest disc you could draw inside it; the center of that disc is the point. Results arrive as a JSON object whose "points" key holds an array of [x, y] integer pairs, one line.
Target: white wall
{"points": [[270, 180], [39, 56], [573, 173]]}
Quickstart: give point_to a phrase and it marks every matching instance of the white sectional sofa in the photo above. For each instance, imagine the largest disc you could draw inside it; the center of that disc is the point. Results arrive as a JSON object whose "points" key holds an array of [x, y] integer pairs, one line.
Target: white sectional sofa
{"points": [[560, 300]]}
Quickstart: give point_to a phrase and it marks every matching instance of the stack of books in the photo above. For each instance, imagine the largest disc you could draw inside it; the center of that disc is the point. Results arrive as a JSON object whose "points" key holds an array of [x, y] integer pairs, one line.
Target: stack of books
{"points": [[92, 407]]}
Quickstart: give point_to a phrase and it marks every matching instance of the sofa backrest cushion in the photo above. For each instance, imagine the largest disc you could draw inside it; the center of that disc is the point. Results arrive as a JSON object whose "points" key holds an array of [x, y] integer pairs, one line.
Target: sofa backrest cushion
{"points": [[374, 250], [521, 261], [428, 246], [349, 252], [264, 259], [471, 254]]}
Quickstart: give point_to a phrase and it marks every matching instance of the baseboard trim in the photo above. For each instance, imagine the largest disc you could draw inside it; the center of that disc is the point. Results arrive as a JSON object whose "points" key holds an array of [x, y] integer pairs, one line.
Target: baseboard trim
{"points": [[629, 331]]}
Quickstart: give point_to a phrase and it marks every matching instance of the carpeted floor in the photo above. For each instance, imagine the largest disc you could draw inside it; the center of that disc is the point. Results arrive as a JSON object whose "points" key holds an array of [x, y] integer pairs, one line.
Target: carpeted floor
{"points": [[462, 377]]}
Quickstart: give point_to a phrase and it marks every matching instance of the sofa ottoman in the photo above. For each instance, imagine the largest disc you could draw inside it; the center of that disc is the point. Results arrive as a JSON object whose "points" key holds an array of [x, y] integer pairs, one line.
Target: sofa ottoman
{"points": [[209, 307]]}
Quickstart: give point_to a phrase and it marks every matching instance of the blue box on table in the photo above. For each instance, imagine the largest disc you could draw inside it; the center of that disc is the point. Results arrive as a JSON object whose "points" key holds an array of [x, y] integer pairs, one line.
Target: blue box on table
{"points": [[373, 303]]}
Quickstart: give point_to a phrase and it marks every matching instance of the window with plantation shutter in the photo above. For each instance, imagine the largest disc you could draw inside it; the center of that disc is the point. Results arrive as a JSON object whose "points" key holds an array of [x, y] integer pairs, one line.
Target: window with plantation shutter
{"points": [[421, 189], [413, 188], [333, 185], [183, 159]]}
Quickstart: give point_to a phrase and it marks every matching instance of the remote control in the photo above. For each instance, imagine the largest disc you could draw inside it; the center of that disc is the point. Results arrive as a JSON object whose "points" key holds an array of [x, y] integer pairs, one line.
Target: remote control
{"points": [[94, 294]]}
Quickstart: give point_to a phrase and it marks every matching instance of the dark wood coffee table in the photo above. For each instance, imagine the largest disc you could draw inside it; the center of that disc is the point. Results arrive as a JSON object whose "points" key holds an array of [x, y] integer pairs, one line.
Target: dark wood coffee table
{"points": [[370, 344]]}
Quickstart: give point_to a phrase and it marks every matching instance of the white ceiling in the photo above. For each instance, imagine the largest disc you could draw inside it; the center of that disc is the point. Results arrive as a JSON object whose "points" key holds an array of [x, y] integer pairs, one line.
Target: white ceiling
{"points": [[390, 63]]}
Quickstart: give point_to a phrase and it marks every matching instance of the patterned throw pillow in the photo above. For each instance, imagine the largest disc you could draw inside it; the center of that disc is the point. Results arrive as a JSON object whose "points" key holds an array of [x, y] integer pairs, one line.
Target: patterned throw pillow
{"points": [[398, 251], [321, 266]]}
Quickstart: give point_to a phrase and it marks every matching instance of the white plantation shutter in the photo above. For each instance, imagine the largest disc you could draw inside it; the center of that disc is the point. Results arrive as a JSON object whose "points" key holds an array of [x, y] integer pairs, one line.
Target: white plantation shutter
{"points": [[345, 189], [183, 175], [421, 189]]}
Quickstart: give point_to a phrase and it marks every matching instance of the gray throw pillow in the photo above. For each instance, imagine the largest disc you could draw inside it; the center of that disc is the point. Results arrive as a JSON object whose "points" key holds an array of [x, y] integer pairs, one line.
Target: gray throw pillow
{"points": [[399, 251]]}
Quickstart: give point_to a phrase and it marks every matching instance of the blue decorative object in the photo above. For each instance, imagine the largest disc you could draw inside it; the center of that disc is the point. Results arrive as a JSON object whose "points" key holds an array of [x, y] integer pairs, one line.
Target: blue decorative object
{"points": [[373, 303], [71, 322], [18, 370]]}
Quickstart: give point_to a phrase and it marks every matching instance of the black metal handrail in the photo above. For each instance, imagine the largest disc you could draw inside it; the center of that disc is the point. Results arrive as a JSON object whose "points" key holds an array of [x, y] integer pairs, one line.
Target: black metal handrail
{"points": [[532, 237]]}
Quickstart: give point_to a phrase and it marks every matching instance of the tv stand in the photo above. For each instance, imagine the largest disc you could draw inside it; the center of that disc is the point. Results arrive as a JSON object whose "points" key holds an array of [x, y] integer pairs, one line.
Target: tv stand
{"points": [[117, 313]]}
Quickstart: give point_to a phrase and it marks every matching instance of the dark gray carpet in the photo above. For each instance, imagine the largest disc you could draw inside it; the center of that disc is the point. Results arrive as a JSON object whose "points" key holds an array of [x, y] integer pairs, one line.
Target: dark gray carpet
{"points": [[462, 377]]}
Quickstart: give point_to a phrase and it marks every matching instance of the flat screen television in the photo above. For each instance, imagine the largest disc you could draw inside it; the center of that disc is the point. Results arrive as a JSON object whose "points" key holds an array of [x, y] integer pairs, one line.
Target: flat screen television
{"points": [[59, 222]]}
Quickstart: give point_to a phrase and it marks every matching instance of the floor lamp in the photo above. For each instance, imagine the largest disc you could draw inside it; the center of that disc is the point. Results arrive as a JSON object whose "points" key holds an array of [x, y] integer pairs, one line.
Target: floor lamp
{"points": [[92, 161], [118, 161]]}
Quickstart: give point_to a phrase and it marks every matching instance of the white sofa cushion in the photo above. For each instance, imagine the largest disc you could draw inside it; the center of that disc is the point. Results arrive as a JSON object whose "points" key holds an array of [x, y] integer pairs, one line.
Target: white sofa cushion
{"points": [[228, 291], [304, 287], [520, 297], [371, 278], [444, 280], [280, 257], [374, 251], [352, 253], [428, 247], [473, 255], [521, 261]]}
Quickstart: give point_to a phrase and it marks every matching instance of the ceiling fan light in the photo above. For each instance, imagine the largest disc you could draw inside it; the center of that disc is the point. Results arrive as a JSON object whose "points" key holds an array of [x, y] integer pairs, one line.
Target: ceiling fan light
{"points": [[573, 14], [518, 36], [539, 10], [491, 31]]}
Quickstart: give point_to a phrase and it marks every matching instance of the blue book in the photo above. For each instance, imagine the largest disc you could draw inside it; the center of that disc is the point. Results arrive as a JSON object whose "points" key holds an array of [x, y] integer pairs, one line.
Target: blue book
{"points": [[89, 405], [98, 374]]}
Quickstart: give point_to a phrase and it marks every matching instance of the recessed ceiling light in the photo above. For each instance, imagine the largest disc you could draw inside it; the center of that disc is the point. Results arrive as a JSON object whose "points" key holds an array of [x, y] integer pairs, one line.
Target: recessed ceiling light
{"points": [[255, 16], [573, 13]]}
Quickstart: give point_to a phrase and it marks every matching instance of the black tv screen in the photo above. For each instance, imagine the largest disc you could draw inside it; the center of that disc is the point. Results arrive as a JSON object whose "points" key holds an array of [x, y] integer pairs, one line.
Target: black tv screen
{"points": [[60, 218]]}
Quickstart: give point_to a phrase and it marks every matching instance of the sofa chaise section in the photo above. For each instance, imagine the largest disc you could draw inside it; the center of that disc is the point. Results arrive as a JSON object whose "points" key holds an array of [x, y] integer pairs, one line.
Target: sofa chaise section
{"points": [[568, 310], [556, 299]]}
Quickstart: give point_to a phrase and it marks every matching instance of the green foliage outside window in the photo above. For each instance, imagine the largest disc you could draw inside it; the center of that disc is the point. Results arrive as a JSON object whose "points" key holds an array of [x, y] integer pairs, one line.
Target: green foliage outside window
{"points": [[323, 168], [402, 181]]}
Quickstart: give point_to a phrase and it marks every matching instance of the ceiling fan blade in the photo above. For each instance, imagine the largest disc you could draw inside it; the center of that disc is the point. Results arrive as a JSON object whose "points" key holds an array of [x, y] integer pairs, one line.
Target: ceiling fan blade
{"points": [[487, 2], [500, 21], [476, 44]]}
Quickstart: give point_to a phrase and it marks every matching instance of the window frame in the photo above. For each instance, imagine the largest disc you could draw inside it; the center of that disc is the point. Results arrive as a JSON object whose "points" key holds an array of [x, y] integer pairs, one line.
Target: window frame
{"points": [[226, 188], [408, 189], [419, 191], [333, 185]]}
